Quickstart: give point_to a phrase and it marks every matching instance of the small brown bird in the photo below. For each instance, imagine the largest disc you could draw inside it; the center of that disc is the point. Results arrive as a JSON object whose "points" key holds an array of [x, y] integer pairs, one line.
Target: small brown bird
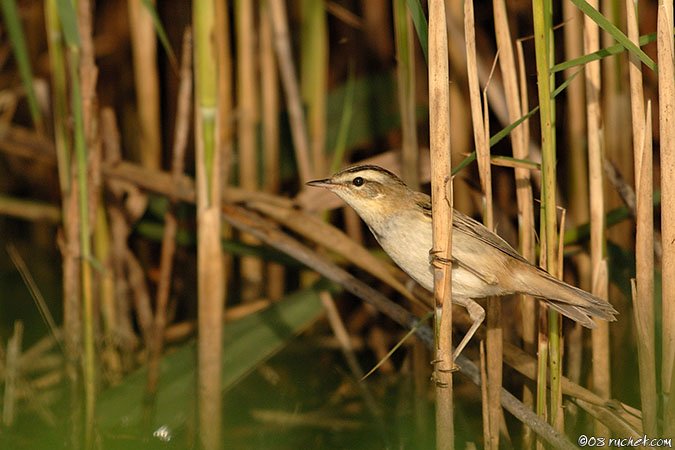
{"points": [[483, 264]]}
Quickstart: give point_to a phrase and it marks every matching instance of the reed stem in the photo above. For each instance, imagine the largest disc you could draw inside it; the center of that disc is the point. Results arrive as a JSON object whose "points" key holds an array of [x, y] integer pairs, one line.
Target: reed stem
{"points": [[441, 197], [644, 233], [543, 39], [210, 277], [666, 73], [405, 73], [599, 336]]}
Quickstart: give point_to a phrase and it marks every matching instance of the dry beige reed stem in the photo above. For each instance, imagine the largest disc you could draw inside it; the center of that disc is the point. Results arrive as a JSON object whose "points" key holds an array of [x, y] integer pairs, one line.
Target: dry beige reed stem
{"points": [[577, 188], [210, 263], [487, 428], [643, 300], [600, 336], [290, 84], [525, 200], [269, 80], [441, 197], [88, 76], [247, 132], [181, 136], [481, 141], [146, 76], [666, 73]]}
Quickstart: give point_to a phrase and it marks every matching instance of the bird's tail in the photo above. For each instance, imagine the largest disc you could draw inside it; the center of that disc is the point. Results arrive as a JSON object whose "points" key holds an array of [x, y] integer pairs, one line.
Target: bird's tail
{"points": [[568, 300]]}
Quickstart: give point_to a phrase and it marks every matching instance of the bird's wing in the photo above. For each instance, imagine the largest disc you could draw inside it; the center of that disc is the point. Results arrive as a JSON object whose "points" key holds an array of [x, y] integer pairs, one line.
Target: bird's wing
{"points": [[471, 228]]}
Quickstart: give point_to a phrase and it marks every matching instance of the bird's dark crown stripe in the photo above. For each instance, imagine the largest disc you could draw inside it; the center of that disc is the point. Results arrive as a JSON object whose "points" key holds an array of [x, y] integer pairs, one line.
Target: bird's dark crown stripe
{"points": [[365, 167]]}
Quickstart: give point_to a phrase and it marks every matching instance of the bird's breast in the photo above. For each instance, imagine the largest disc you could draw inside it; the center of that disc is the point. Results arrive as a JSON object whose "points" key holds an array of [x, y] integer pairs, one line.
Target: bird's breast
{"points": [[409, 246]]}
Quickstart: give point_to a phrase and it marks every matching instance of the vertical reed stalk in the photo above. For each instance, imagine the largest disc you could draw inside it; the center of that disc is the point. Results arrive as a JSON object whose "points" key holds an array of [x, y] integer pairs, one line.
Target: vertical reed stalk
{"points": [[600, 336], [110, 357], [59, 94], [644, 235], [83, 74], [616, 118], [314, 76], [405, 73], [180, 141], [85, 252], [666, 72], [487, 439], [71, 315], [119, 231], [144, 51], [577, 188], [210, 282], [644, 284], [542, 361], [441, 197], [519, 142], [270, 102], [247, 108], [576, 123], [543, 352], [543, 41], [290, 84], [479, 118], [270, 133], [528, 306]]}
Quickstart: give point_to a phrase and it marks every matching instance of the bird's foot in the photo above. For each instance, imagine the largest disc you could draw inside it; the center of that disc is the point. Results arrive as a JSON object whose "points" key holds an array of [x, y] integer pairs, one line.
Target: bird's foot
{"points": [[438, 261], [441, 370]]}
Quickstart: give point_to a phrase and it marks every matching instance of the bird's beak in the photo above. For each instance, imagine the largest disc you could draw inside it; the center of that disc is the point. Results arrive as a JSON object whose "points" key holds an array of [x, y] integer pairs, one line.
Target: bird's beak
{"points": [[325, 183]]}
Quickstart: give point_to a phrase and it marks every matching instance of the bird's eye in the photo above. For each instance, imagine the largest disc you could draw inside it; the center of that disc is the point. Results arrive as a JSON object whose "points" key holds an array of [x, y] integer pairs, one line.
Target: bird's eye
{"points": [[358, 181]]}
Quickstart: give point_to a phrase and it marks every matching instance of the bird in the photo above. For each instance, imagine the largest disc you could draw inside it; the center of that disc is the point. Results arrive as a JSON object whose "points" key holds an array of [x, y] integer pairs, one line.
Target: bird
{"points": [[483, 264]]}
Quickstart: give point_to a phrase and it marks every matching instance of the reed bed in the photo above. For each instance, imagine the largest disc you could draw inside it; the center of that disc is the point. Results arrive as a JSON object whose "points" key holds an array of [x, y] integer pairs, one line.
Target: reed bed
{"points": [[155, 158]]}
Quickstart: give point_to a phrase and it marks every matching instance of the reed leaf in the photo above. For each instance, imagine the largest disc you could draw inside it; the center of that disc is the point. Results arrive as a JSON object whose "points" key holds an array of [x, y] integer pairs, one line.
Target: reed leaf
{"points": [[600, 54], [421, 27], [161, 32], [617, 34], [249, 341], [18, 40]]}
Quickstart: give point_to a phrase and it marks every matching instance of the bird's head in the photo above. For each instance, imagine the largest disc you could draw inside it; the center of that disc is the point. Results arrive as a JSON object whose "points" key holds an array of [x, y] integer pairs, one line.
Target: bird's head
{"points": [[372, 191]]}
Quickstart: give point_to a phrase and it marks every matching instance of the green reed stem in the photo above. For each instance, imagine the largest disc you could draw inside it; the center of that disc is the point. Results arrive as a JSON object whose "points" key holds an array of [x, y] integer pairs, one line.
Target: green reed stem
{"points": [[543, 39]]}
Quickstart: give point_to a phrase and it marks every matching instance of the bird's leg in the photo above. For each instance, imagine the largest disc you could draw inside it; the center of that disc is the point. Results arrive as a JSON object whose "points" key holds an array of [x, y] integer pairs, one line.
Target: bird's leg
{"points": [[476, 313]]}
